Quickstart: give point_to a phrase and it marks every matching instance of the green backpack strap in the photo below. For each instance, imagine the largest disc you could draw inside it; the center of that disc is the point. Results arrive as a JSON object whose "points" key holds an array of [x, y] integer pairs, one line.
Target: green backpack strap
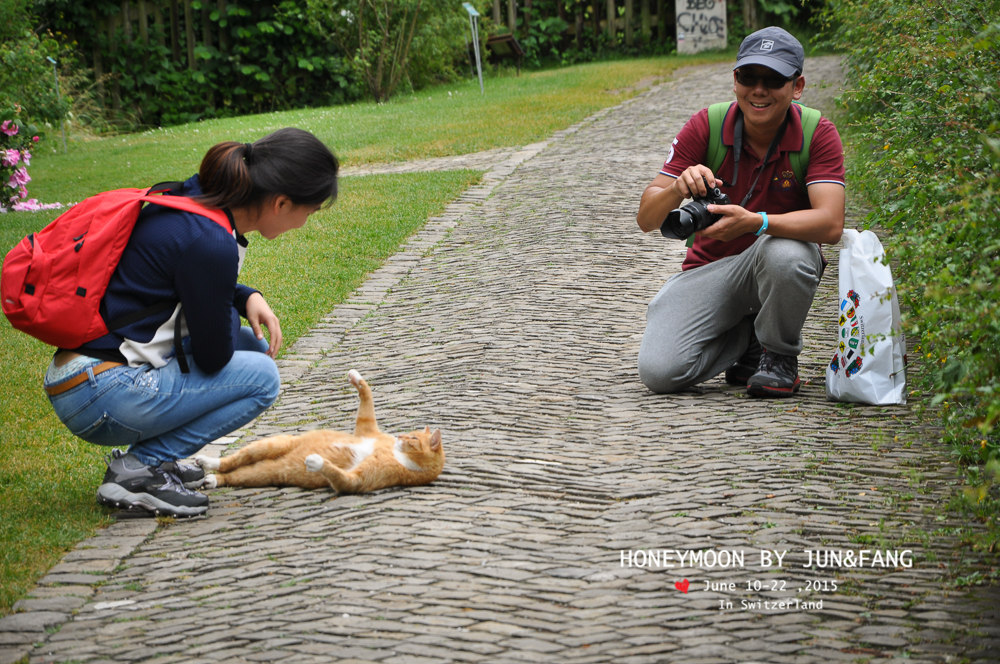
{"points": [[716, 148], [800, 159]]}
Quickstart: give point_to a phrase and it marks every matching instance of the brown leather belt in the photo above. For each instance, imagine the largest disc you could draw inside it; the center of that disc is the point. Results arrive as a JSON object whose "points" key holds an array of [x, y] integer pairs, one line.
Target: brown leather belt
{"points": [[82, 377]]}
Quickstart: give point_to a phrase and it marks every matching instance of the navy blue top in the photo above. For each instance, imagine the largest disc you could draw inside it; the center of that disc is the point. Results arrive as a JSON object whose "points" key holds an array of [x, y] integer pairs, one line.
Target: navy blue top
{"points": [[176, 256]]}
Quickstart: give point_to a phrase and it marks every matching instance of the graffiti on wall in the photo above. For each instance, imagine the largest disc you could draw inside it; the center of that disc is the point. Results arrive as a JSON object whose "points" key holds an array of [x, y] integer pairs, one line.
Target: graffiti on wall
{"points": [[701, 25]]}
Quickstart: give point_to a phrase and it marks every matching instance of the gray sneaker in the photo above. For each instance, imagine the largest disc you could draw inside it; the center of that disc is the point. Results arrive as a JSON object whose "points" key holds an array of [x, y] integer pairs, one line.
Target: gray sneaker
{"points": [[130, 484], [777, 376]]}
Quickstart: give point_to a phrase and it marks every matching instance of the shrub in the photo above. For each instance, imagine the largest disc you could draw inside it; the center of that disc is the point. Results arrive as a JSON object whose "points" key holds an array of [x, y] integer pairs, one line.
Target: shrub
{"points": [[924, 120]]}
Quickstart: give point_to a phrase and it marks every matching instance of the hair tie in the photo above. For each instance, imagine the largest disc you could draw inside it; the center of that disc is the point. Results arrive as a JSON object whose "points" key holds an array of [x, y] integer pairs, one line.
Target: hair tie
{"points": [[247, 152]]}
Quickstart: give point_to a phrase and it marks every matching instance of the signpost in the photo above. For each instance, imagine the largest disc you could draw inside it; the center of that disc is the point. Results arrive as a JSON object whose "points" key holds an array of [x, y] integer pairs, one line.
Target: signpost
{"points": [[474, 24]]}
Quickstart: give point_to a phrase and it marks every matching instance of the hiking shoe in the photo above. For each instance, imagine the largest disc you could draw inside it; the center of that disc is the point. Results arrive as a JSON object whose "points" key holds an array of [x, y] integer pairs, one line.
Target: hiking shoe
{"points": [[190, 475], [746, 366], [130, 484], [777, 376]]}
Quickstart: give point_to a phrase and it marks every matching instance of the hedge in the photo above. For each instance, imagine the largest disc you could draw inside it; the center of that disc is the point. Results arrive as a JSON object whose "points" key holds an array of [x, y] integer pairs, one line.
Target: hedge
{"points": [[924, 125]]}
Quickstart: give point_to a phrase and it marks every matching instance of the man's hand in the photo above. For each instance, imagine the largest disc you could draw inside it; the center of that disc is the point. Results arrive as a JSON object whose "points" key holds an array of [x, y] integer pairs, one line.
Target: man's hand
{"points": [[695, 181], [259, 315], [735, 221]]}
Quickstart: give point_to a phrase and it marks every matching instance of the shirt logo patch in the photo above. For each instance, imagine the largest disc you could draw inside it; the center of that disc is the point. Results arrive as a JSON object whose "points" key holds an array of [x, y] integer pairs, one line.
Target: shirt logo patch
{"points": [[784, 181], [670, 155]]}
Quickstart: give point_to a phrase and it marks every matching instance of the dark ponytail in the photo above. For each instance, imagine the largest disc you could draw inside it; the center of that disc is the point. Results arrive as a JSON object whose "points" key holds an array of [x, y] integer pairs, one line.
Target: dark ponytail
{"points": [[290, 162]]}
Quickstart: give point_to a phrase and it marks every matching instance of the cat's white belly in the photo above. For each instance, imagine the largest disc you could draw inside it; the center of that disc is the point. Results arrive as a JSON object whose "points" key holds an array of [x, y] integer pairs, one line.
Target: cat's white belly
{"points": [[361, 451]]}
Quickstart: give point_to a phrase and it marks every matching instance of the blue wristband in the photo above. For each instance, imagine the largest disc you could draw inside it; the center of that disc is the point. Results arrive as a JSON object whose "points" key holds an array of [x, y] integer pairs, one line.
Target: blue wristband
{"points": [[763, 227]]}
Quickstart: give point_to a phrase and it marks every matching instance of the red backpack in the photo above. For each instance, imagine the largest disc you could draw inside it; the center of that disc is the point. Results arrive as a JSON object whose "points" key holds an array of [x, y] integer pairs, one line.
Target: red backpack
{"points": [[52, 282]]}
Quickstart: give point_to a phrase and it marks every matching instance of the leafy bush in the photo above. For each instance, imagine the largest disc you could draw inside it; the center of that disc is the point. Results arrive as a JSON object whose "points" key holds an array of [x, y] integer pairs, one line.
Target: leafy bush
{"points": [[26, 80], [924, 110], [408, 43], [248, 58]]}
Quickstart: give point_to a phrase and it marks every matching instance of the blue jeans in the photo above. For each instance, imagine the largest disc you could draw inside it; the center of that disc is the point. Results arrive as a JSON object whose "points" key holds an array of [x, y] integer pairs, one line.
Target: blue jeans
{"points": [[165, 415]]}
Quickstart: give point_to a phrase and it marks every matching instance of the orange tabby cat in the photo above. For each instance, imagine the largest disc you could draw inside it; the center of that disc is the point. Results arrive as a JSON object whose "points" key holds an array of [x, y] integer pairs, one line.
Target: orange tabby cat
{"points": [[363, 461]]}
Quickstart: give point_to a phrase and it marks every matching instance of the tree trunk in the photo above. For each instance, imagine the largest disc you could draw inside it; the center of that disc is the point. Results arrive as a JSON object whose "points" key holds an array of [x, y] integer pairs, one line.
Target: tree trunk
{"points": [[143, 23], [189, 33], [750, 15], [661, 20], [612, 15], [175, 28], [512, 15], [496, 12], [126, 22], [646, 21], [206, 26], [223, 31], [161, 31], [629, 17], [578, 25]]}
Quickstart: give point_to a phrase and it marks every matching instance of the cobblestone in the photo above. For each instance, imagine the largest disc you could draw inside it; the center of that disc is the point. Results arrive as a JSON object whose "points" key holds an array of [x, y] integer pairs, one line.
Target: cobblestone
{"points": [[512, 322]]}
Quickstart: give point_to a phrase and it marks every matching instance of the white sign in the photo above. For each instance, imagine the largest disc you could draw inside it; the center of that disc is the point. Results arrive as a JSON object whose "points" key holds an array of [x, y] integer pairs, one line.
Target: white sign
{"points": [[701, 25]]}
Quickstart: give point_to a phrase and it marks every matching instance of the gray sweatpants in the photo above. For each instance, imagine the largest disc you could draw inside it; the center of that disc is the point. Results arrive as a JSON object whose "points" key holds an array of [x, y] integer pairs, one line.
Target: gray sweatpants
{"points": [[701, 321]]}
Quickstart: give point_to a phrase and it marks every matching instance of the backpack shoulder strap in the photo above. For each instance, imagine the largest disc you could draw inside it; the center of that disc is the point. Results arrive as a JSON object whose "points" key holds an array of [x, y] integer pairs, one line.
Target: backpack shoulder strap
{"points": [[800, 159], [716, 148], [188, 205]]}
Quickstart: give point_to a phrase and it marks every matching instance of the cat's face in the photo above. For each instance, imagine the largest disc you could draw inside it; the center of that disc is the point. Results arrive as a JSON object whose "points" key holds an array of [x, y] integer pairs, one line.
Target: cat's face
{"points": [[423, 448]]}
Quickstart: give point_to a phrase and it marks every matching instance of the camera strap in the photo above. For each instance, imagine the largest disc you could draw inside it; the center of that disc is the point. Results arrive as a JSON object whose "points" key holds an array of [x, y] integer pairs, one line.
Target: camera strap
{"points": [[738, 150]]}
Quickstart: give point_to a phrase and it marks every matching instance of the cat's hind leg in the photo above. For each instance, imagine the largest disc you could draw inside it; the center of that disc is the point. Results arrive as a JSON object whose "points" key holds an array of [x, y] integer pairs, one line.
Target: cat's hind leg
{"points": [[365, 424], [259, 450]]}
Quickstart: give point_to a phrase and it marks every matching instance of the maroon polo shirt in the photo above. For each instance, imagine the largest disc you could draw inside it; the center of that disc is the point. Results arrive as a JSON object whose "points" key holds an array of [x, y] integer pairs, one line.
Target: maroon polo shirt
{"points": [[777, 190]]}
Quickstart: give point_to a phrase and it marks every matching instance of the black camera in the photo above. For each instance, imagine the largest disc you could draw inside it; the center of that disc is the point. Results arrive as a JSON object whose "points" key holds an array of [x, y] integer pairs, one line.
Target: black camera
{"points": [[694, 216]]}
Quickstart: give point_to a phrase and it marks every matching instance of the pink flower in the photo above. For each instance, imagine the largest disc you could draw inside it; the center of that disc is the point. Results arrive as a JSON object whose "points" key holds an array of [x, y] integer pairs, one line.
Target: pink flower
{"points": [[9, 128], [19, 178], [34, 139], [10, 157], [26, 157], [32, 204]]}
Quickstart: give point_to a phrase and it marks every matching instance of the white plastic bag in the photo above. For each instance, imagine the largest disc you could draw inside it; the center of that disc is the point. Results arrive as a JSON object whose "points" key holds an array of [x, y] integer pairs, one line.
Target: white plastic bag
{"points": [[869, 363]]}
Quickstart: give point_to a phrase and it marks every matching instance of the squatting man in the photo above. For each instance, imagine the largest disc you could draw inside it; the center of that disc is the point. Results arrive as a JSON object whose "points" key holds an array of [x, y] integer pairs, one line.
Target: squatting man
{"points": [[748, 279]]}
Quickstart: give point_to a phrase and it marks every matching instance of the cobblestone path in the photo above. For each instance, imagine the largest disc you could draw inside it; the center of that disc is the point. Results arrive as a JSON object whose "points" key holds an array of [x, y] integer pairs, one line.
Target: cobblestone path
{"points": [[579, 517]]}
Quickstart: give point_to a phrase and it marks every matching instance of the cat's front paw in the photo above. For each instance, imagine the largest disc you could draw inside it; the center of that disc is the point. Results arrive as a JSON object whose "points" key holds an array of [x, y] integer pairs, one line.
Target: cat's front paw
{"points": [[354, 377], [211, 481], [314, 462], [208, 463]]}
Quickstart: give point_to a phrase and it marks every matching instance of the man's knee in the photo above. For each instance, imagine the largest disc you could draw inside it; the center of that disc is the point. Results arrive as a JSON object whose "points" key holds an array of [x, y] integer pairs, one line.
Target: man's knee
{"points": [[783, 253], [663, 374]]}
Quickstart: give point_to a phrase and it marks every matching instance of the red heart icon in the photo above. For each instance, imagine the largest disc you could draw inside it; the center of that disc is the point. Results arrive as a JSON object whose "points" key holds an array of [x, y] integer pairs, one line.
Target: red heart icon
{"points": [[682, 585]]}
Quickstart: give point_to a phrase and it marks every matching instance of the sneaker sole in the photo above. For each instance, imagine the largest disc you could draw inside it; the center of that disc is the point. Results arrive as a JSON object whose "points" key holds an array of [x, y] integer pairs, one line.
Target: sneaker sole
{"points": [[768, 391], [115, 495]]}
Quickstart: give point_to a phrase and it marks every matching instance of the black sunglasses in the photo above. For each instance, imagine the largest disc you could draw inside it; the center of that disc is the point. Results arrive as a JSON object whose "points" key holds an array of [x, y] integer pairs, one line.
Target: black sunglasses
{"points": [[770, 82]]}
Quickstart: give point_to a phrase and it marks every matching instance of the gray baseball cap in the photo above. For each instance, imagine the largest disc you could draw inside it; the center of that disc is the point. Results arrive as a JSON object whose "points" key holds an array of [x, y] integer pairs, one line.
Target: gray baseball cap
{"points": [[773, 48]]}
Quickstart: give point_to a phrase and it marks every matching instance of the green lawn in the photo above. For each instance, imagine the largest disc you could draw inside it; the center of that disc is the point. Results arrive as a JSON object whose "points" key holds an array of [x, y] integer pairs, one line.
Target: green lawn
{"points": [[47, 477]]}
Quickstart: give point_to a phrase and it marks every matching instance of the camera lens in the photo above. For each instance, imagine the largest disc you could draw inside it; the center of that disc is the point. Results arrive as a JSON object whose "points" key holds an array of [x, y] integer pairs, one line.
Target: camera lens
{"points": [[679, 224]]}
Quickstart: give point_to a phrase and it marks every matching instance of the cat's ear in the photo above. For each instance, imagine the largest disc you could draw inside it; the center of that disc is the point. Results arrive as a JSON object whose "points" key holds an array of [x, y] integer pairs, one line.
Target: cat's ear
{"points": [[435, 439]]}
